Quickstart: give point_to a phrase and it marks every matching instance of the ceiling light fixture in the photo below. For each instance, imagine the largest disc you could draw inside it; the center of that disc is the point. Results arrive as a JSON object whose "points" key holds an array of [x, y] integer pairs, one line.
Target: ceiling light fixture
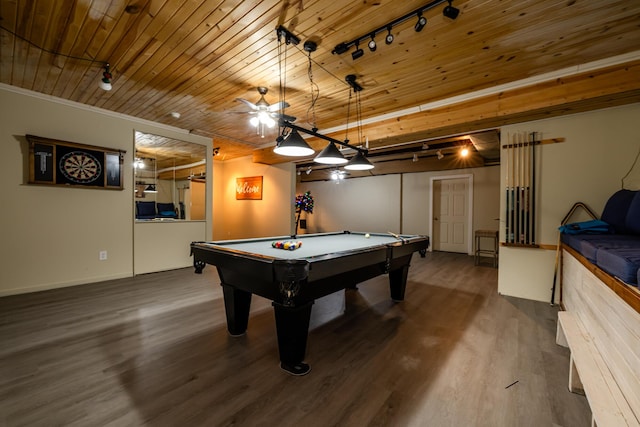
{"points": [[464, 152], [372, 44], [359, 163], [415, 158], [422, 21], [292, 145], [389, 38], [105, 82], [449, 11], [357, 53], [330, 156], [440, 155]]}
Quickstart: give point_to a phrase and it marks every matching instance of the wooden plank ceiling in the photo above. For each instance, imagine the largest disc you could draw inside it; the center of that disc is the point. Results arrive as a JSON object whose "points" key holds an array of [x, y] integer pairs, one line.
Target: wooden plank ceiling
{"points": [[197, 57]]}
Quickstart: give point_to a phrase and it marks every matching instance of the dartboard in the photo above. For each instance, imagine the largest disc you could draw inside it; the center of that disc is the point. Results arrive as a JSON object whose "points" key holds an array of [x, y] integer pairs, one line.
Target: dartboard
{"points": [[80, 167]]}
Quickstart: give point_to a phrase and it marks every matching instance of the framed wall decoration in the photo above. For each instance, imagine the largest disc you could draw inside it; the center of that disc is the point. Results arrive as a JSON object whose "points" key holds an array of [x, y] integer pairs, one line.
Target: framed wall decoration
{"points": [[54, 162], [249, 188]]}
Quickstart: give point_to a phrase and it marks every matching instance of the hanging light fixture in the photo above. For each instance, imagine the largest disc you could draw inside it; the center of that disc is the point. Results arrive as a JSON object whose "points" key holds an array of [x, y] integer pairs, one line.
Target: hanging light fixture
{"points": [[330, 156], [105, 82], [359, 163], [292, 145]]}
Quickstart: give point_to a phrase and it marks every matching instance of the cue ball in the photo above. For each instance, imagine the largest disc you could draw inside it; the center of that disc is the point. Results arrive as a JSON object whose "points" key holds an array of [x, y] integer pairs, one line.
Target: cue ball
{"points": [[366, 236]]}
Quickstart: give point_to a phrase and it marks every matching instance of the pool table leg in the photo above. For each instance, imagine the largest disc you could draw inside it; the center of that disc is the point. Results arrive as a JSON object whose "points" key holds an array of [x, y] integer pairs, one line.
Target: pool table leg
{"points": [[398, 282], [292, 327], [236, 304]]}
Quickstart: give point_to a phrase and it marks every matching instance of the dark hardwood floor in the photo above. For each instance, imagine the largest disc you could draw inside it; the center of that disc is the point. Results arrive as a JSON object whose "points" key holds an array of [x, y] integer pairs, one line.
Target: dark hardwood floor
{"points": [[154, 350]]}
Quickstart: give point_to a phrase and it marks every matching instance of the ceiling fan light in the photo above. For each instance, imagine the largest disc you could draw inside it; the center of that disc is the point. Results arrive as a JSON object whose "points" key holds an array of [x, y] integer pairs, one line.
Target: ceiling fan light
{"points": [[255, 121], [293, 145], [330, 156], [105, 82], [359, 163], [269, 122]]}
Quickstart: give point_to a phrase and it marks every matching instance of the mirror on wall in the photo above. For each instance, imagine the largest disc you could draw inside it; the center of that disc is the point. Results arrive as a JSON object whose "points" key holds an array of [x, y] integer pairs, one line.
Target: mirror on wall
{"points": [[169, 179]]}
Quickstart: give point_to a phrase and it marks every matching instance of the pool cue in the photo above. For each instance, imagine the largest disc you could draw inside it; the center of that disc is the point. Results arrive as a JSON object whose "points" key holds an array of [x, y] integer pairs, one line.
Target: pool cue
{"points": [[533, 190], [397, 237], [506, 180]]}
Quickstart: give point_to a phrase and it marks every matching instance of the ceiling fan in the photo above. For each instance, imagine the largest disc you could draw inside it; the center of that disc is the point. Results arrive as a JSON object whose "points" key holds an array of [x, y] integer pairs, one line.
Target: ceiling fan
{"points": [[265, 114]]}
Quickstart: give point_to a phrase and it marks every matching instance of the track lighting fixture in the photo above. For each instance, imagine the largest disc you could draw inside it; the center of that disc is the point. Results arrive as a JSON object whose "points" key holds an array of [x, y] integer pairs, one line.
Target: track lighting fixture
{"points": [[415, 158], [389, 38], [464, 152], [450, 11], [422, 21], [357, 53], [105, 82], [372, 44], [308, 171], [440, 155]]}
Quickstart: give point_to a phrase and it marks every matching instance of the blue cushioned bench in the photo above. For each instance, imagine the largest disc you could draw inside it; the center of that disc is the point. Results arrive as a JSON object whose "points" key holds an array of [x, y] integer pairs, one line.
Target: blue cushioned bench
{"points": [[616, 252]]}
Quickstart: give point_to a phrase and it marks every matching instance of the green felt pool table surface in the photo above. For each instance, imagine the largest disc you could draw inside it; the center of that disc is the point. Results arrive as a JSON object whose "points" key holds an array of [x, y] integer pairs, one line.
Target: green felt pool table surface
{"points": [[313, 245]]}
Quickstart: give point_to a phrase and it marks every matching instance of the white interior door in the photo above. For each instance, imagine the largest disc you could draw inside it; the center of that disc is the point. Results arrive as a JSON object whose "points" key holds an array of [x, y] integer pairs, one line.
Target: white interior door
{"points": [[451, 215]]}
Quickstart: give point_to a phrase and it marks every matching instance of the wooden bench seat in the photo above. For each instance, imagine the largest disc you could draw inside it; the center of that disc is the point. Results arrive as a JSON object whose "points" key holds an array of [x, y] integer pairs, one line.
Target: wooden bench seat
{"points": [[589, 375]]}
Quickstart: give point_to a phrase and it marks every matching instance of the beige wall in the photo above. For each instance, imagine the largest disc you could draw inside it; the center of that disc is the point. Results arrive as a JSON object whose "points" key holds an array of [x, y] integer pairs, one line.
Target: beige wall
{"points": [[599, 149], [239, 219], [52, 236]]}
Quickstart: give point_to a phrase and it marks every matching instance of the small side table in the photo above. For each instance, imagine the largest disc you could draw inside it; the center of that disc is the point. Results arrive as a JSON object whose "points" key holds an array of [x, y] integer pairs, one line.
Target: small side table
{"points": [[489, 234]]}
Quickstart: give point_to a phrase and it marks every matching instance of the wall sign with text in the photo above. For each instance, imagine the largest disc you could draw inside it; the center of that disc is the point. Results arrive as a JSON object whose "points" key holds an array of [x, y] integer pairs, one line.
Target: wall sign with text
{"points": [[54, 162], [249, 188]]}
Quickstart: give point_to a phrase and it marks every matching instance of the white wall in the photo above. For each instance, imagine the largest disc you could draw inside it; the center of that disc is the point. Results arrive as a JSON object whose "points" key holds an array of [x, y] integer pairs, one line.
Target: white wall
{"points": [[397, 203], [599, 149], [357, 204], [52, 236]]}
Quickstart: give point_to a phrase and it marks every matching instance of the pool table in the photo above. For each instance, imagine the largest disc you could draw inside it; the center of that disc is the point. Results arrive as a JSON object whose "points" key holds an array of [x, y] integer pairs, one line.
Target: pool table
{"points": [[293, 279]]}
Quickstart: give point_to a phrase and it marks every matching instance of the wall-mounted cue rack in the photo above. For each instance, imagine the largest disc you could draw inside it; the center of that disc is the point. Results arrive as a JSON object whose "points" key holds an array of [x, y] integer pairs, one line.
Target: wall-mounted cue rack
{"points": [[520, 182], [62, 163]]}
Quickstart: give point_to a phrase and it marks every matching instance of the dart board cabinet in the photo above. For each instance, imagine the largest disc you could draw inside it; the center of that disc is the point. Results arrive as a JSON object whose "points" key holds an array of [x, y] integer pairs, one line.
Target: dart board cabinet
{"points": [[62, 163]]}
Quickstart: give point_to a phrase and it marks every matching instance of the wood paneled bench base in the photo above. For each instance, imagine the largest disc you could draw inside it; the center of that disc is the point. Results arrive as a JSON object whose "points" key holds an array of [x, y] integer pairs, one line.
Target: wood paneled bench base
{"points": [[589, 375]]}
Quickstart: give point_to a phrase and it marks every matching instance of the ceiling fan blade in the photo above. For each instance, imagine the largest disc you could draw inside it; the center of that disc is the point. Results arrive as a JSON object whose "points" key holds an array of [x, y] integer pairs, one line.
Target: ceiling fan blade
{"points": [[281, 105], [247, 103], [284, 117]]}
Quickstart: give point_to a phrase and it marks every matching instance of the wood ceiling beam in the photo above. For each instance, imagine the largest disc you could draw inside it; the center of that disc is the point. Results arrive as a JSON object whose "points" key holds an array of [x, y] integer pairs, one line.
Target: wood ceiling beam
{"points": [[607, 87]]}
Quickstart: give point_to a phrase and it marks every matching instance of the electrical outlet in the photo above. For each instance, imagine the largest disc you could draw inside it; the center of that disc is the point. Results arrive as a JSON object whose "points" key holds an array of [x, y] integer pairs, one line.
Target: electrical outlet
{"points": [[103, 255]]}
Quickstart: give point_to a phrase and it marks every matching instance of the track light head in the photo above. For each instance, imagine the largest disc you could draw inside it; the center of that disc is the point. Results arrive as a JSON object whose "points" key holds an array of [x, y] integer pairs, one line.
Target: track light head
{"points": [[389, 38], [372, 44], [357, 53], [422, 21], [340, 49], [450, 12]]}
